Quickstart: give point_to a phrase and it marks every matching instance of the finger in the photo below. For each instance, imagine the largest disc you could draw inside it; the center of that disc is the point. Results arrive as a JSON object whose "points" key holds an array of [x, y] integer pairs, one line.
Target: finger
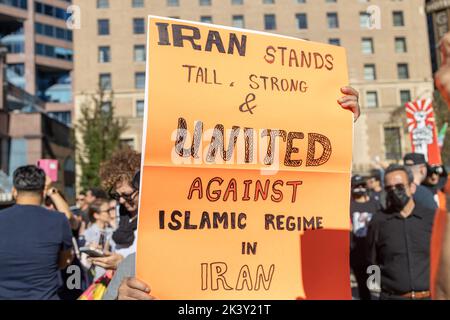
{"points": [[349, 91], [101, 264], [138, 294], [138, 284], [124, 297], [345, 99]]}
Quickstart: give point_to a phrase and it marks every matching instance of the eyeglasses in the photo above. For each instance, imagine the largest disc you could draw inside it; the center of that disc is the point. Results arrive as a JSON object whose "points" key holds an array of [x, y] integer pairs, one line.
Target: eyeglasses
{"points": [[398, 186], [127, 197]]}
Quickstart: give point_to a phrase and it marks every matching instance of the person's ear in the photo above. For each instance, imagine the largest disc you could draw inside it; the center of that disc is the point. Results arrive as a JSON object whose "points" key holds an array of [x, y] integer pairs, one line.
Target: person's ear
{"points": [[14, 193], [413, 188]]}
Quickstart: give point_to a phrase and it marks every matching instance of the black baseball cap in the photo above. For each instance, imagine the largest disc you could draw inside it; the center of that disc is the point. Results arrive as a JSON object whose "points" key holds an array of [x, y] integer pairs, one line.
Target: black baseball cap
{"points": [[358, 180], [412, 159]]}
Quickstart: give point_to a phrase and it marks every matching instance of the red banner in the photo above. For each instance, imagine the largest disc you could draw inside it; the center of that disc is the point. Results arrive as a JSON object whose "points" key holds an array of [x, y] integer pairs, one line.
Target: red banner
{"points": [[422, 130]]}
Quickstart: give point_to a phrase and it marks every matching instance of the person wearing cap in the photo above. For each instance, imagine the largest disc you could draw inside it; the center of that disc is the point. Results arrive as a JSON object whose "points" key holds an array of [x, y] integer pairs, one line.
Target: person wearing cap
{"points": [[417, 164], [362, 209], [435, 181], [375, 186]]}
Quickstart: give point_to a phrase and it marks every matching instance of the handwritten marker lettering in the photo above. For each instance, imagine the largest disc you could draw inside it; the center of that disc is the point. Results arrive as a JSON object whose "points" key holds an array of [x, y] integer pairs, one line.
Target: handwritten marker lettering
{"points": [[245, 107]]}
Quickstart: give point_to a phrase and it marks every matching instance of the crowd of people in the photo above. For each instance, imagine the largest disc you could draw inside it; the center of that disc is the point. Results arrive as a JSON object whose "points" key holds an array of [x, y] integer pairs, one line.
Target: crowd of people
{"points": [[42, 239], [392, 213]]}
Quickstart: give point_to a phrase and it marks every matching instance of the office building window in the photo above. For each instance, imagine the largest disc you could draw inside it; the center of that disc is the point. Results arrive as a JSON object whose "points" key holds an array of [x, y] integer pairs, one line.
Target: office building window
{"points": [[137, 3], [405, 97], [103, 27], [138, 25], [367, 46], [398, 18], [369, 72], [101, 4], [400, 45], [105, 81], [334, 41], [402, 71], [139, 53], [238, 21], [364, 20], [332, 20], [139, 108], [206, 19], [270, 22], [104, 54], [139, 80], [205, 2], [371, 99], [173, 3], [302, 20], [237, 2], [269, 1], [392, 143]]}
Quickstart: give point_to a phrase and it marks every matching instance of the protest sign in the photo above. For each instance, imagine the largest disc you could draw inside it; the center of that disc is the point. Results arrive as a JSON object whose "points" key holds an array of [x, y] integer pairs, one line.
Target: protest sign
{"points": [[422, 130], [246, 166]]}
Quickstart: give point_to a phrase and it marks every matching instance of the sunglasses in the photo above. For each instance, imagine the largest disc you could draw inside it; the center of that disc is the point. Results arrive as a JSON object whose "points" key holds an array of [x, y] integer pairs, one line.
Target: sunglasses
{"points": [[127, 197], [398, 186]]}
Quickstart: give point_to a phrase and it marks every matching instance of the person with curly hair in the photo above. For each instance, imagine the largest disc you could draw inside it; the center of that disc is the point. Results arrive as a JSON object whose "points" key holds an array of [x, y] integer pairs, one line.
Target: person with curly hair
{"points": [[119, 175]]}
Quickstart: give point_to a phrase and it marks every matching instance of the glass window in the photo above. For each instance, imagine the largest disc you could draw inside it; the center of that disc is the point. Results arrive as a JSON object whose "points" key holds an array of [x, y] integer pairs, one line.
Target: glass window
{"points": [[398, 18], [364, 20], [238, 21], [371, 99], [367, 46], [139, 80], [302, 20], [237, 2], [332, 19], [269, 22], [139, 53], [205, 2], [105, 81], [369, 72], [392, 143], [102, 4], [103, 27], [334, 41], [206, 19], [405, 97], [173, 3], [268, 1], [104, 54], [139, 108], [137, 3], [138, 26], [400, 45], [403, 71]]}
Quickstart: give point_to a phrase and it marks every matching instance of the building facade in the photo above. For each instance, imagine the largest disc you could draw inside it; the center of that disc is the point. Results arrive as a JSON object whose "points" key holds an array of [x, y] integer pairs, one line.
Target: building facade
{"points": [[39, 45], [386, 42]]}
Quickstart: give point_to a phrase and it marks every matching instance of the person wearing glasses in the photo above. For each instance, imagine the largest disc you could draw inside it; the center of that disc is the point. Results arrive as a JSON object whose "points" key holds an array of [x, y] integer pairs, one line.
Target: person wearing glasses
{"points": [[120, 176], [399, 239]]}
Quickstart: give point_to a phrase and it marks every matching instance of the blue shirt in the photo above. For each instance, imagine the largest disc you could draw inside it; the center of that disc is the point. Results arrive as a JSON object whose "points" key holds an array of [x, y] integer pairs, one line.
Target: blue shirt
{"points": [[31, 238]]}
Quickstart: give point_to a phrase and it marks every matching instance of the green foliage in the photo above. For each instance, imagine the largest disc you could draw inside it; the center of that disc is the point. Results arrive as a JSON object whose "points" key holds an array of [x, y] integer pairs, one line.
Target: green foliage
{"points": [[442, 116], [99, 134]]}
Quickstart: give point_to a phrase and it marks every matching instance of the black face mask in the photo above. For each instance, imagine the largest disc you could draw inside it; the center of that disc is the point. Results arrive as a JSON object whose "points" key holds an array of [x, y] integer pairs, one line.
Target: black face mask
{"points": [[396, 199]]}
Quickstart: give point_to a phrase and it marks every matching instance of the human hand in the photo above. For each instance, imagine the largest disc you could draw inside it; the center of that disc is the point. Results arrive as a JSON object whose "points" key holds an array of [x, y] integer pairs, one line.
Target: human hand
{"points": [[350, 101], [110, 261], [134, 289]]}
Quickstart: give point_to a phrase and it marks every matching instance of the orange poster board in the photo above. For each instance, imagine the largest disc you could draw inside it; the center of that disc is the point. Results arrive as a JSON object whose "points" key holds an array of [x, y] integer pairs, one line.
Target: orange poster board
{"points": [[246, 166]]}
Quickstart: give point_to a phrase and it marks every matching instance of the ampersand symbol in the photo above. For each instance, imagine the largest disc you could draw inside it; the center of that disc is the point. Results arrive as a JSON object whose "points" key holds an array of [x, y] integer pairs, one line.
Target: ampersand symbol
{"points": [[245, 107]]}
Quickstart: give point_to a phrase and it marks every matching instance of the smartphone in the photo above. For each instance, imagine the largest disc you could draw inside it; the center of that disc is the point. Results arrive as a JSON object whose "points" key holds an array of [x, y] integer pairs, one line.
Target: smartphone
{"points": [[92, 252], [50, 167]]}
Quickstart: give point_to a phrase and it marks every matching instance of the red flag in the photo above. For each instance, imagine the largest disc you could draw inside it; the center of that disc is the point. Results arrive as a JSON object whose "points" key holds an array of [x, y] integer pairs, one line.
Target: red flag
{"points": [[422, 130]]}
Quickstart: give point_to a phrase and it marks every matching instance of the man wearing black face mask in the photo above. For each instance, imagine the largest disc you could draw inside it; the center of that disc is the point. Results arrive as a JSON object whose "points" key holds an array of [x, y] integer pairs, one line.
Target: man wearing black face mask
{"points": [[399, 239], [362, 209]]}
